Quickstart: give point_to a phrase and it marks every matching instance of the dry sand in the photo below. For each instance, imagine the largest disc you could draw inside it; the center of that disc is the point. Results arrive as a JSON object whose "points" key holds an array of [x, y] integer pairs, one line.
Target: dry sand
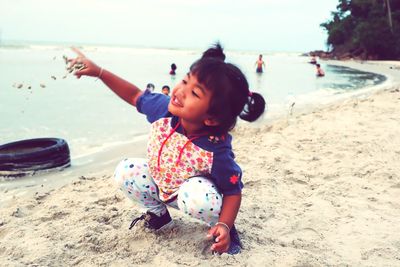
{"points": [[321, 189]]}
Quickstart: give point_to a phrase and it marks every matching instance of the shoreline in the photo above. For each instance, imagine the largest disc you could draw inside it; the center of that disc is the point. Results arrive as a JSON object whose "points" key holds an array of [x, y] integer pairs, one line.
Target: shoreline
{"points": [[321, 188], [109, 156]]}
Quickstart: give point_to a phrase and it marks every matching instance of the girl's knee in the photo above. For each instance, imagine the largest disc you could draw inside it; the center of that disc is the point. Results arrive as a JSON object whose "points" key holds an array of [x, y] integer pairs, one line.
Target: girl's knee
{"points": [[130, 169], [199, 198]]}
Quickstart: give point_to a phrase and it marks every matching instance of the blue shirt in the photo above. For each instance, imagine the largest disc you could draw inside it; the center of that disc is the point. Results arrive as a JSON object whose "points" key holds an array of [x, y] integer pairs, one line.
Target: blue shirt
{"points": [[173, 157]]}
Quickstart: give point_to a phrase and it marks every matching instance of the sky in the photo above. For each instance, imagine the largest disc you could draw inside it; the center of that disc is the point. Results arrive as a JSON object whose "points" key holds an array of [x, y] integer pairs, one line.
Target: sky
{"points": [[254, 25]]}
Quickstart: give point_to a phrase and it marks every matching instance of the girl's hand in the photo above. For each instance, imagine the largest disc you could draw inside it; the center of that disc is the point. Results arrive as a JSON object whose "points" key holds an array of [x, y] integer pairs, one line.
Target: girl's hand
{"points": [[222, 238], [89, 68]]}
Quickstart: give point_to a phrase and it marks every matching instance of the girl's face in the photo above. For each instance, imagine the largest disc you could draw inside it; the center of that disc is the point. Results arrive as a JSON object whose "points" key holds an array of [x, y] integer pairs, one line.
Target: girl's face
{"points": [[190, 101]]}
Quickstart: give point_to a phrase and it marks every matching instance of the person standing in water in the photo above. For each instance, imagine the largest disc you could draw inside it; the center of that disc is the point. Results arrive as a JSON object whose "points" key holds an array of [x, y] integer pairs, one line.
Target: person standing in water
{"points": [[173, 68], [320, 71], [165, 90], [313, 60], [150, 87], [260, 64]]}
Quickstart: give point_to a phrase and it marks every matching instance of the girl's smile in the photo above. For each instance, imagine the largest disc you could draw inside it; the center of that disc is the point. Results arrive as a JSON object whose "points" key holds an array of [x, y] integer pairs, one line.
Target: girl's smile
{"points": [[175, 101], [190, 101]]}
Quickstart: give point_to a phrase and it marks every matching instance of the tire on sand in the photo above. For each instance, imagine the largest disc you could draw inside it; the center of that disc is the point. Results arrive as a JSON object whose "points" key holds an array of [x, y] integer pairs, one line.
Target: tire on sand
{"points": [[26, 157]]}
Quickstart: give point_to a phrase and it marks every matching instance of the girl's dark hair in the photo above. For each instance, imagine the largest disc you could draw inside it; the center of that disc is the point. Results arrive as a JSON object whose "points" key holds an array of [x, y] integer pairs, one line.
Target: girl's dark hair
{"points": [[173, 66], [231, 95]]}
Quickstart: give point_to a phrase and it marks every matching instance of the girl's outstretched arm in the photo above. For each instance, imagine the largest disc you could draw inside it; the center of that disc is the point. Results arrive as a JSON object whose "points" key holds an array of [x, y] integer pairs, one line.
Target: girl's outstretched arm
{"points": [[124, 89]]}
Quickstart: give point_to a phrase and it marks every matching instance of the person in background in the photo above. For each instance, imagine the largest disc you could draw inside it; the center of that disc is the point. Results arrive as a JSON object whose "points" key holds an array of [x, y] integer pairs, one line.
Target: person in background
{"points": [[313, 60], [260, 64], [173, 68], [165, 90], [150, 87], [320, 71]]}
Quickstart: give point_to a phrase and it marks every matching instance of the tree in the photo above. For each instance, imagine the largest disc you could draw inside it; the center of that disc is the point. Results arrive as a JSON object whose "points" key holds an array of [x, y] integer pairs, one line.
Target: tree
{"points": [[365, 28]]}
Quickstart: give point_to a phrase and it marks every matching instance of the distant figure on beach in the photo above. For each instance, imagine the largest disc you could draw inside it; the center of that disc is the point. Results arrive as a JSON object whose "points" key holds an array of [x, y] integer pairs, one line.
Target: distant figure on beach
{"points": [[190, 164], [150, 87], [260, 64], [313, 60], [320, 71], [165, 90], [173, 68]]}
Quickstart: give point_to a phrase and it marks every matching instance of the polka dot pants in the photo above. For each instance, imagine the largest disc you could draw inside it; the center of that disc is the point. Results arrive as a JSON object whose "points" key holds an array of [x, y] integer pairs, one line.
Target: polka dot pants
{"points": [[197, 196]]}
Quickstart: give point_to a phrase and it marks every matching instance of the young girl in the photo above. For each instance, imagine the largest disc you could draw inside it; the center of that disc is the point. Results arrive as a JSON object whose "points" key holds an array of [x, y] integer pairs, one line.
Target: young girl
{"points": [[190, 164]]}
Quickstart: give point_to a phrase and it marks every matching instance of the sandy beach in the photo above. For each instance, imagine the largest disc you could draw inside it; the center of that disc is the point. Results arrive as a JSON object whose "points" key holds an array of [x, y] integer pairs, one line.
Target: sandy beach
{"points": [[321, 189]]}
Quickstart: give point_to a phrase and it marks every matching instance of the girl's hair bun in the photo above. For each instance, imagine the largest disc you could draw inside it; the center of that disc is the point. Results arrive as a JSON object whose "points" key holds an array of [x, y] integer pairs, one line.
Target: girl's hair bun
{"points": [[216, 52], [230, 91], [254, 107]]}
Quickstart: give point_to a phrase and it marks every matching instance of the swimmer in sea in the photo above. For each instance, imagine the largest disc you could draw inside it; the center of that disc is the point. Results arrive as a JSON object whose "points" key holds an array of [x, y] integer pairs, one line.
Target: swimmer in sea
{"points": [[165, 90], [150, 87], [173, 68], [320, 71], [313, 60], [260, 63]]}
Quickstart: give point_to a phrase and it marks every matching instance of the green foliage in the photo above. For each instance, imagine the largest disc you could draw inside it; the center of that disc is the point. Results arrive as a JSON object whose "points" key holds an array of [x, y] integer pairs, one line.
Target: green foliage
{"points": [[362, 28]]}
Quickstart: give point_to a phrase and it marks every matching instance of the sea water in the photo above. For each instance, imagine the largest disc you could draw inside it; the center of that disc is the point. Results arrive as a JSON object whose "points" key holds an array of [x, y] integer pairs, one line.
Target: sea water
{"points": [[91, 117]]}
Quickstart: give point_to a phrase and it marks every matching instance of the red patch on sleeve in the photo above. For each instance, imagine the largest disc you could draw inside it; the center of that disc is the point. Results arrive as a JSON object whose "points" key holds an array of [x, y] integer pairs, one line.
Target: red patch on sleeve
{"points": [[234, 179]]}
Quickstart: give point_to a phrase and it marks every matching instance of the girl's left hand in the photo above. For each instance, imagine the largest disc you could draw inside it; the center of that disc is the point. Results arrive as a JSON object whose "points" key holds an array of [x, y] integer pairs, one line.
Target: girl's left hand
{"points": [[222, 238]]}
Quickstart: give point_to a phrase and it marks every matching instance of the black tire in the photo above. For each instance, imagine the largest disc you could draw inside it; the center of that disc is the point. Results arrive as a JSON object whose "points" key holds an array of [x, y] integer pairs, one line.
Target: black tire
{"points": [[29, 156]]}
